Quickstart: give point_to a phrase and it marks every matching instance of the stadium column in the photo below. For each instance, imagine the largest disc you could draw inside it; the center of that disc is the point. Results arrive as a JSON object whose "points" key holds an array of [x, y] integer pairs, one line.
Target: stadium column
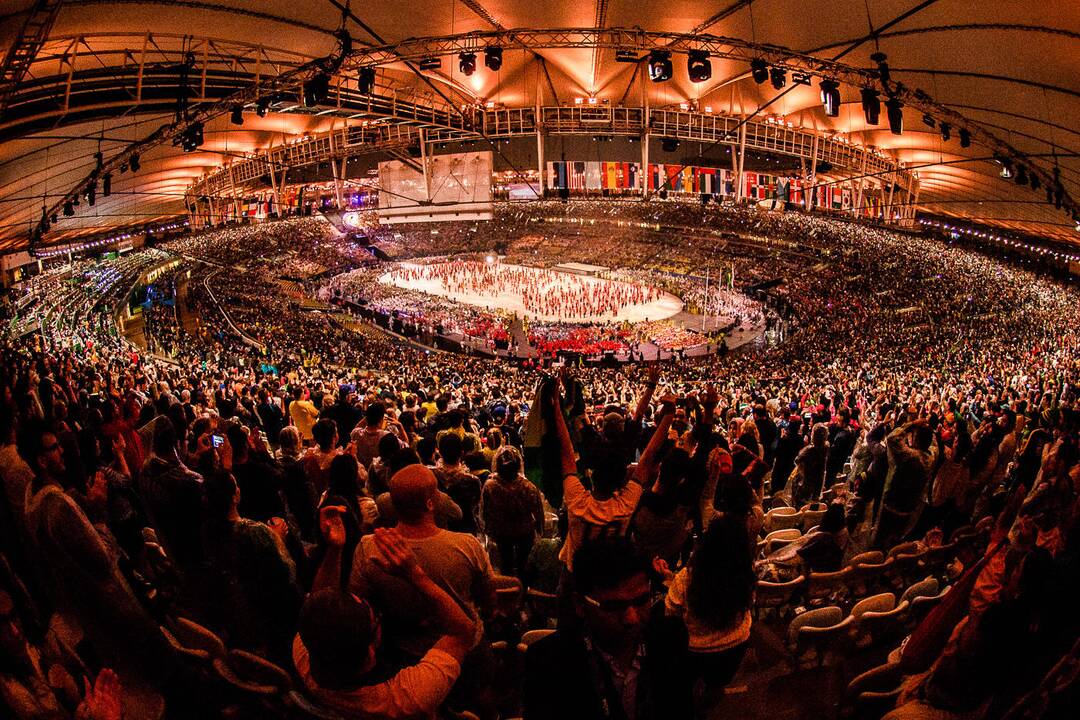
{"points": [[424, 163], [233, 193], [915, 202], [862, 183], [808, 187], [338, 179], [539, 121], [645, 124], [742, 162], [273, 181], [888, 205]]}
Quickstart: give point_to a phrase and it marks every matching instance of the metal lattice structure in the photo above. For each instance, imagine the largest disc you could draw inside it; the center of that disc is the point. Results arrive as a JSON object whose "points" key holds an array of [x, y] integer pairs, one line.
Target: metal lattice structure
{"points": [[21, 53]]}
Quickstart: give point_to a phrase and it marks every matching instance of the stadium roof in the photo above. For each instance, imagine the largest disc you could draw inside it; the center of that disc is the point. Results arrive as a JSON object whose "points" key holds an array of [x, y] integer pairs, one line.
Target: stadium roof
{"points": [[88, 76]]}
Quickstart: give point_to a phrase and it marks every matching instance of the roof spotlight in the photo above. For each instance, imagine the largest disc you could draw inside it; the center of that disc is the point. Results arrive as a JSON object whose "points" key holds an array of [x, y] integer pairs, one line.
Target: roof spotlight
{"points": [[365, 79], [929, 121], [135, 167], [778, 76], [759, 70], [660, 65], [871, 105], [261, 106], [895, 111], [698, 66], [946, 131], [467, 63], [882, 66], [965, 137], [830, 97], [493, 58], [237, 117]]}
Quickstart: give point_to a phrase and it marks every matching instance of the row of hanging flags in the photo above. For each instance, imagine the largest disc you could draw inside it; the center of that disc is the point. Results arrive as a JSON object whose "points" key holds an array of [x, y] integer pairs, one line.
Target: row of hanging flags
{"points": [[689, 179], [257, 207]]}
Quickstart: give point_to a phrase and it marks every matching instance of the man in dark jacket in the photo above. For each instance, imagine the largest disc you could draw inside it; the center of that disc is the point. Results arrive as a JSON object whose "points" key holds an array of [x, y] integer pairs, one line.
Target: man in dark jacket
{"points": [[622, 658]]}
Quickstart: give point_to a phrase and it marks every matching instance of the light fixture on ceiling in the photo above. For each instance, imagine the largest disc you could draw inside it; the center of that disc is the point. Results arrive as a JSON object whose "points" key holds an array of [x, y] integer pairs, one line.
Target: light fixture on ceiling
{"points": [[698, 66], [928, 120], [660, 66], [365, 79], [759, 70], [493, 58], [237, 117], [626, 56], [894, 109], [106, 184], [946, 131], [883, 67], [467, 63], [316, 89], [778, 76], [430, 63], [871, 105], [965, 137], [830, 97], [135, 166]]}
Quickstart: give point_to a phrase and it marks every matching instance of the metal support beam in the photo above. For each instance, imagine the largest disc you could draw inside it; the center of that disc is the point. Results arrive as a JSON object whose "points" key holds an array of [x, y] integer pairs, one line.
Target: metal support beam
{"points": [[811, 179], [742, 162], [25, 46], [888, 205]]}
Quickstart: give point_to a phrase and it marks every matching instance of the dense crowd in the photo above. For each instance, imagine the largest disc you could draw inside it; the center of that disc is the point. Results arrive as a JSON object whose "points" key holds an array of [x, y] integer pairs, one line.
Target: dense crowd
{"points": [[358, 520]]}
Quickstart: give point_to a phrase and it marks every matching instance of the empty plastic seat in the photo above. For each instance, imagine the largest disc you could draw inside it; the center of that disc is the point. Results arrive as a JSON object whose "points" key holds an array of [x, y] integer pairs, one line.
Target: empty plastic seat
{"points": [[923, 604], [812, 514], [193, 641], [508, 595], [873, 693], [530, 637], [868, 571], [782, 518], [776, 596], [543, 607], [878, 618], [825, 585], [779, 538], [926, 587], [252, 674], [815, 633]]}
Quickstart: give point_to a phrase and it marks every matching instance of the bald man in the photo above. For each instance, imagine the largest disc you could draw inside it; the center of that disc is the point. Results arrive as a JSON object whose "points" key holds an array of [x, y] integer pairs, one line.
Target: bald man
{"points": [[455, 561]]}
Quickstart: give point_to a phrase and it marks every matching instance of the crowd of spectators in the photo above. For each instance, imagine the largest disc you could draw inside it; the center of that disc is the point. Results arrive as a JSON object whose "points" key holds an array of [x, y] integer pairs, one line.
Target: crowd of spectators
{"points": [[348, 514]]}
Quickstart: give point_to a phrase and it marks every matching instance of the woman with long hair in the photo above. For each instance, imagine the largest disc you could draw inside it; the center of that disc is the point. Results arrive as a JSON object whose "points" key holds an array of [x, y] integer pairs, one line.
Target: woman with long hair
{"points": [[714, 594]]}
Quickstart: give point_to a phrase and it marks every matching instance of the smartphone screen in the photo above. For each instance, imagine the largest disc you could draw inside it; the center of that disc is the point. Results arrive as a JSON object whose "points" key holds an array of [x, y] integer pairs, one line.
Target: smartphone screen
{"points": [[217, 440]]}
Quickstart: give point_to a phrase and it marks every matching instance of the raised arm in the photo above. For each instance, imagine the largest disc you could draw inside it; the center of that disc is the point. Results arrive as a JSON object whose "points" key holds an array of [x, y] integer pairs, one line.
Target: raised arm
{"points": [[646, 396], [333, 530], [647, 463], [396, 558], [566, 445]]}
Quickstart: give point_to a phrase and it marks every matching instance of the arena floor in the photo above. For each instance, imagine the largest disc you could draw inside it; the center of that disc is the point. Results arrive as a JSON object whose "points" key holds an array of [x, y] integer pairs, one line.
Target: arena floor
{"points": [[660, 309]]}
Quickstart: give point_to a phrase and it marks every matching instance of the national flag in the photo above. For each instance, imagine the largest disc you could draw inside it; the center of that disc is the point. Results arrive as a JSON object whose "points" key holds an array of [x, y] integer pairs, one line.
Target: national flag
{"points": [[593, 175], [577, 176]]}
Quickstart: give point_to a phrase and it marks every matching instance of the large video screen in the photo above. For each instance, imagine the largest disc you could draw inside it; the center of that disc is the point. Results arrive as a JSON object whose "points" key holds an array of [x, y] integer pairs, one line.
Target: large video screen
{"points": [[457, 187]]}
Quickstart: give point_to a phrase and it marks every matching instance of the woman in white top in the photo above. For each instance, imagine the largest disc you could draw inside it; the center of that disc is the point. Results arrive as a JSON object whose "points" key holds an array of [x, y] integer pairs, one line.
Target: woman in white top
{"points": [[714, 594]]}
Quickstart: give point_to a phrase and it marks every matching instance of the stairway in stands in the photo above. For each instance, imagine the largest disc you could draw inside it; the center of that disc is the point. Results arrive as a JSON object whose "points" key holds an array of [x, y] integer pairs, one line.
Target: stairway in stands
{"points": [[518, 336]]}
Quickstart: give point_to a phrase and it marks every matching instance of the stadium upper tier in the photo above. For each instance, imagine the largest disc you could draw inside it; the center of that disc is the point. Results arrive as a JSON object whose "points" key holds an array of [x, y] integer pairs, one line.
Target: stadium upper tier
{"points": [[163, 87]]}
